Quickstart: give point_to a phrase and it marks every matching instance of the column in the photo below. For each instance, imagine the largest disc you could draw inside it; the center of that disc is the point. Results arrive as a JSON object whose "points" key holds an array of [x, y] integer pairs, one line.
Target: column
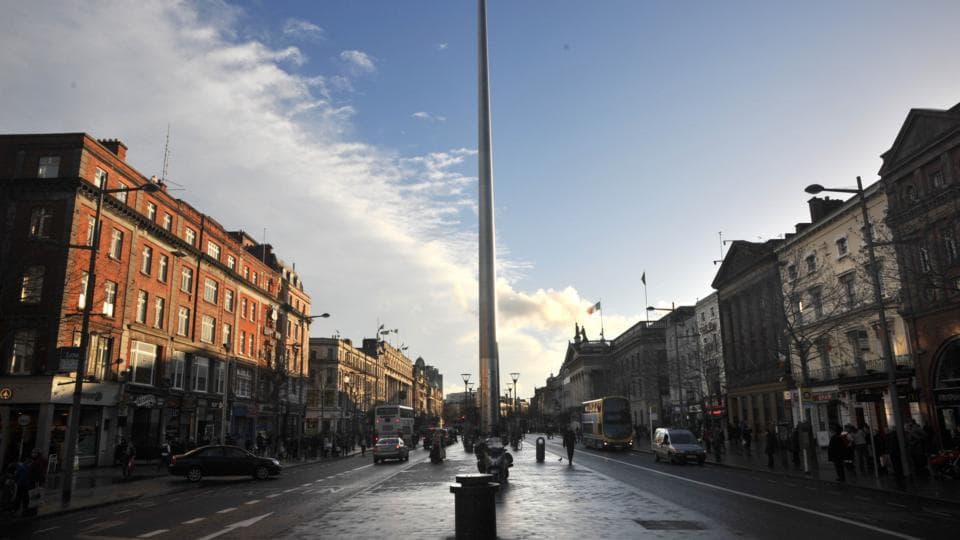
{"points": [[44, 425]]}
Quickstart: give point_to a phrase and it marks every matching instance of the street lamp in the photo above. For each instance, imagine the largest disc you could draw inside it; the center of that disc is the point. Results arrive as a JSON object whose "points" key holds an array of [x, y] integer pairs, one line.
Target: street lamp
{"points": [[74, 425], [466, 388], [514, 376], [814, 189]]}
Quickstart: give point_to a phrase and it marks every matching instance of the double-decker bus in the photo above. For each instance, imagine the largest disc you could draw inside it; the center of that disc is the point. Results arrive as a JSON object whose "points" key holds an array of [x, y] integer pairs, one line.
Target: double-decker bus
{"points": [[394, 421], [605, 423]]}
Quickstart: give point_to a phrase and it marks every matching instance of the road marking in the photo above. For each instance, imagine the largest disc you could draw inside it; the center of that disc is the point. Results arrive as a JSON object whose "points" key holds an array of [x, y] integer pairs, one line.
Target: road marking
{"points": [[791, 484], [255, 501], [272, 495], [227, 510], [175, 499], [898, 505], [48, 529], [153, 533], [771, 481], [88, 519], [764, 499], [811, 488], [329, 477], [925, 510], [194, 520], [308, 484], [228, 528], [361, 467], [289, 490]]}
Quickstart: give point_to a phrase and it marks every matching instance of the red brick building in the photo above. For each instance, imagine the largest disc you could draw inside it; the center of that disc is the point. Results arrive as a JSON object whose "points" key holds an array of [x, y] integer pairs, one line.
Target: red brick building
{"points": [[178, 300]]}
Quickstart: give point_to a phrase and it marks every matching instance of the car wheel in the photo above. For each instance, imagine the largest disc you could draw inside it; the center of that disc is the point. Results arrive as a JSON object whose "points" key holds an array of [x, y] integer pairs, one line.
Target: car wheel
{"points": [[261, 473], [194, 474]]}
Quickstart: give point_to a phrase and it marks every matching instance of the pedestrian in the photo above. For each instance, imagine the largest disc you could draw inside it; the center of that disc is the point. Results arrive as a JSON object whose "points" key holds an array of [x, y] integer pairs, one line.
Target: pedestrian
{"points": [[164, 455], [860, 454], [569, 441], [747, 435], [771, 445], [363, 446], [836, 453]]}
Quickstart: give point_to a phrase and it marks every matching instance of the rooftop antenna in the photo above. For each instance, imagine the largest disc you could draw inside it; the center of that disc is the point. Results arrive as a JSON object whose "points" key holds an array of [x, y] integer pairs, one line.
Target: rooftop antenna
{"points": [[722, 243], [166, 156]]}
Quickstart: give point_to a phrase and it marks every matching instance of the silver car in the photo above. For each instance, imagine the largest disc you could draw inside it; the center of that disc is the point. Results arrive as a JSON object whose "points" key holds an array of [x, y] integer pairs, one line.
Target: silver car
{"points": [[390, 448], [677, 446]]}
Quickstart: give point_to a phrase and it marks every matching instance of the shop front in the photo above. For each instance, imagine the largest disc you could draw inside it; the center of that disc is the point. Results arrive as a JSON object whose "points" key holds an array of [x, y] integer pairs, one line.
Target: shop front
{"points": [[946, 393]]}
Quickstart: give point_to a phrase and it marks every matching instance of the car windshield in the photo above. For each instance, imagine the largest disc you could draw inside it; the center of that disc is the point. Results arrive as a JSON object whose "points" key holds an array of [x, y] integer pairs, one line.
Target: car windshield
{"points": [[387, 442], [682, 437]]}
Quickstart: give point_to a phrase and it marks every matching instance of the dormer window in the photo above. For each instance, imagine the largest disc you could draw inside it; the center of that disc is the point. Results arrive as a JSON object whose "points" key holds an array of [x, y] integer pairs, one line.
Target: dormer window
{"points": [[842, 247]]}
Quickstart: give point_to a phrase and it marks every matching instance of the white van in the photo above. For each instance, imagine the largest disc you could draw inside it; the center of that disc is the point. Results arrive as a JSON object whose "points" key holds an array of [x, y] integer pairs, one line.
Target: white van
{"points": [[677, 446]]}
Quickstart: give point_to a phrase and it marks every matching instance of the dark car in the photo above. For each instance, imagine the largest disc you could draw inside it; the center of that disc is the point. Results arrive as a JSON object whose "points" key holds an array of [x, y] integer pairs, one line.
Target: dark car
{"points": [[222, 461]]}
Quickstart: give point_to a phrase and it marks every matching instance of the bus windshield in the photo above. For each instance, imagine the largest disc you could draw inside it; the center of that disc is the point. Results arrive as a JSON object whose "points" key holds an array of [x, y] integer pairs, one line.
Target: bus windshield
{"points": [[616, 411]]}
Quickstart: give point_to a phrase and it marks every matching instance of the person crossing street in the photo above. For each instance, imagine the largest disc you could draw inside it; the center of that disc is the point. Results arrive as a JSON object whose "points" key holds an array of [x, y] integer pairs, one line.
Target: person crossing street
{"points": [[569, 441]]}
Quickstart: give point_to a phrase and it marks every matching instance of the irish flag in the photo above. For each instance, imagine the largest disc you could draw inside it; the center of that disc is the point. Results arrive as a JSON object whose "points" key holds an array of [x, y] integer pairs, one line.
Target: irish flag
{"points": [[595, 307]]}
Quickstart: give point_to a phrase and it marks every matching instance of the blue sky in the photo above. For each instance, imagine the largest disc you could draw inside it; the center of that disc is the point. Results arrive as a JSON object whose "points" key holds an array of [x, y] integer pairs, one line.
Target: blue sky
{"points": [[626, 134]]}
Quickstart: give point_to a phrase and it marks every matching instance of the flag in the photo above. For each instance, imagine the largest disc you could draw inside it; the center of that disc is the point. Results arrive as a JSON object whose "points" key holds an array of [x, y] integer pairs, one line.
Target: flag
{"points": [[591, 309], [643, 278]]}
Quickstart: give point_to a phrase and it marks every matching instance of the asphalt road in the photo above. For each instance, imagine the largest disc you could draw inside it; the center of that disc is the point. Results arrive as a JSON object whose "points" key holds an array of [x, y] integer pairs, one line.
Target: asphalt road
{"points": [[225, 507], [765, 505]]}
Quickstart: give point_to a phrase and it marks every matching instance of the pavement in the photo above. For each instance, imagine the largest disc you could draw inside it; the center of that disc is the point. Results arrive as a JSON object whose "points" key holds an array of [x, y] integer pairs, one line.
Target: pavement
{"points": [[104, 486], [821, 469]]}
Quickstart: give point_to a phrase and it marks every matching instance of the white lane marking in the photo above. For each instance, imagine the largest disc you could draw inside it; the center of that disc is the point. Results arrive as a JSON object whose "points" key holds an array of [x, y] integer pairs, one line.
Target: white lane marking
{"points": [[289, 490], [361, 467], [898, 505], [123, 511], [175, 499], [227, 510], [306, 485], [329, 477], [764, 499], [228, 528], [255, 501], [47, 529], [153, 533], [272, 495], [194, 520], [88, 519], [928, 510]]}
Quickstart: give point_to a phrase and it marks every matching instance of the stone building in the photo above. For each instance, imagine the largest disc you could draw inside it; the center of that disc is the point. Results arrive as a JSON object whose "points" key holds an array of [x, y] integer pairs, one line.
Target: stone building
{"points": [[638, 370], [712, 381]]}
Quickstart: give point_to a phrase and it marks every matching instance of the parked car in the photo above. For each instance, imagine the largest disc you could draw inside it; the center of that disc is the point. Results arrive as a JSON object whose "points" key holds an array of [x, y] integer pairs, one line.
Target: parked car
{"points": [[390, 448], [222, 461], [677, 446]]}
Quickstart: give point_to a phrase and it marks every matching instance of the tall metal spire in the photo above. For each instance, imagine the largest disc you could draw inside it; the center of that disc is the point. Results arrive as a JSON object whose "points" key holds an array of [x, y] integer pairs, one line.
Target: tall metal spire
{"points": [[489, 353]]}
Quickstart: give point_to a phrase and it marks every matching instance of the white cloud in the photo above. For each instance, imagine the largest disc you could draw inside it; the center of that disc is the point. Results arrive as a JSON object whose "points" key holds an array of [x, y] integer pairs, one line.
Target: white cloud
{"points": [[375, 236], [300, 29], [359, 61], [423, 115], [441, 46]]}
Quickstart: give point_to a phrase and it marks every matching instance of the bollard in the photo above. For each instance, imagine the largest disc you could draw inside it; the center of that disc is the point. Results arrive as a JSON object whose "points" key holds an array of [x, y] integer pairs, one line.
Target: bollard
{"points": [[475, 506], [541, 449]]}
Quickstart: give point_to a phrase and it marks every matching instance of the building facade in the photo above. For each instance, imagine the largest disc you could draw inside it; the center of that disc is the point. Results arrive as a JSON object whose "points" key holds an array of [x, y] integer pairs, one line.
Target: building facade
{"points": [[711, 377], [179, 305]]}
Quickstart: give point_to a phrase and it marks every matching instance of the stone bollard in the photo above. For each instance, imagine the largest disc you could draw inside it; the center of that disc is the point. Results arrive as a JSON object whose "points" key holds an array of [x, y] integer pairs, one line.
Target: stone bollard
{"points": [[541, 449], [475, 506]]}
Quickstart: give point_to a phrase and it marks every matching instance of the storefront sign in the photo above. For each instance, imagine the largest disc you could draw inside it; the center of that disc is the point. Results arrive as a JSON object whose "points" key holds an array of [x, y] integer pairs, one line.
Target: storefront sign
{"points": [[823, 396], [865, 396], [69, 359], [947, 397], [103, 393], [145, 400]]}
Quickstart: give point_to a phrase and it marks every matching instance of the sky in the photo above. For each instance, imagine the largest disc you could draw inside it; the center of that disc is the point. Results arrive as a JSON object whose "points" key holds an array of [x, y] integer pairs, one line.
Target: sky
{"points": [[626, 136]]}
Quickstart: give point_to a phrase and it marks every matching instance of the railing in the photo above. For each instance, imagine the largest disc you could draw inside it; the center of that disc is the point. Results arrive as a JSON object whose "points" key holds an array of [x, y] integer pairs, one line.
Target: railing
{"points": [[857, 369]]}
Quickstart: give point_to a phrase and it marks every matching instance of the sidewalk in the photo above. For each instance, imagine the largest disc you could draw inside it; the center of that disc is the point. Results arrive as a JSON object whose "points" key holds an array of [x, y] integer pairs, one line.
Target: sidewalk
{"points": [[103, 486], [540, 500], [821, 469]]}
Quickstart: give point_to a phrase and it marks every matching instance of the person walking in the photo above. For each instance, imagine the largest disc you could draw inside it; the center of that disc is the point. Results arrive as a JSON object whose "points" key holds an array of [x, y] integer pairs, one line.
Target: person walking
{"points": [[861, 456], [837, 452], [771, 445], [569, 441], [747, 435]]}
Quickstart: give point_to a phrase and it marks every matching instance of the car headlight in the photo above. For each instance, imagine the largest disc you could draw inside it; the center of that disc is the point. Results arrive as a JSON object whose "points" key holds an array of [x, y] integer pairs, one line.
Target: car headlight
{"points": [[275, 462]]}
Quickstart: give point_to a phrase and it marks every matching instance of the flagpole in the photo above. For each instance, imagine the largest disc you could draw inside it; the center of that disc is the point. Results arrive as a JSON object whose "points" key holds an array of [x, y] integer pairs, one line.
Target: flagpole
{"points": [[645, 301], [601, 319]]}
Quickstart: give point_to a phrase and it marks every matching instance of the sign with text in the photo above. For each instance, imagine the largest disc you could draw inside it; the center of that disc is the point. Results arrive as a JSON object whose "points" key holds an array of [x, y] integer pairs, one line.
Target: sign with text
{"points": [[69, 359]]}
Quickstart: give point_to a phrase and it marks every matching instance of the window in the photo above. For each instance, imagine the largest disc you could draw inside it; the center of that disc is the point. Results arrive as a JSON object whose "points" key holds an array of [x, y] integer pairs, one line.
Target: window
{"points": [[207, 325], [178, 369], [158, 312], [210, 290], [100, 178], [816, 301], [190, 236], [91, 229], [849, 289], [168, 222], [49, 167], [143, 358], [183, 321], [243, 342], [925, 266], [243, 308], [116, 244], [41, 222], [936, 178], [228, 300], [797, 305], [186, 280], [246, 272], [213, 250], [253, 311], [146, 260], [231, 262], [792, 272], [151, 211], [162, 268], [250, 343], [31, 285], [255, 274], [218, 377], [842, 247], [142, 307], [201, 367], [23, 352], [950, 245], [910, 193], [811, 262], [110, 299], [226, 335], [244, 382], [122, 194], [98, 361], [84, 281]]}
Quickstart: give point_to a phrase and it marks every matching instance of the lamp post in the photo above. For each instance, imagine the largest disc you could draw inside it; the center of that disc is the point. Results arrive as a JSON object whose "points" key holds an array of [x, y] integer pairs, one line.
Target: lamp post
{"points": [[515, 375], [466, 389], [74, 424], [814, 189], [676, 347]]}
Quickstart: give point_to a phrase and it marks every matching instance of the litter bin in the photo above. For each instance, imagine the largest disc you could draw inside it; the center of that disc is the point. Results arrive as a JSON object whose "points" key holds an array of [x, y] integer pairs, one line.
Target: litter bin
{"points": [[541, 449], [475, 507]]}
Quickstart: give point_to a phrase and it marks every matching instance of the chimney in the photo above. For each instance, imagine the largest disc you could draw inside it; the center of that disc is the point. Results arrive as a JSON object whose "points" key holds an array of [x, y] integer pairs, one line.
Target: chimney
{"points": [[115, 146], [819, 208]]}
